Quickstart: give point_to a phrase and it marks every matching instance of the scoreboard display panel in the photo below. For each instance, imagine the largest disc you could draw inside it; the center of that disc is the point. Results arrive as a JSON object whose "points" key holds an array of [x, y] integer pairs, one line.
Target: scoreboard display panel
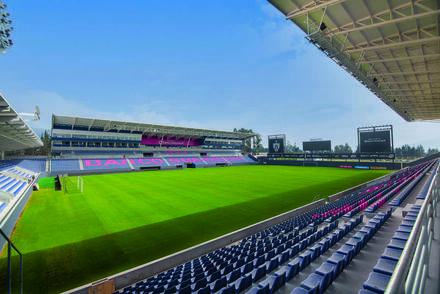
{"points": [[317, 145], [276, 144], [376, 141]]}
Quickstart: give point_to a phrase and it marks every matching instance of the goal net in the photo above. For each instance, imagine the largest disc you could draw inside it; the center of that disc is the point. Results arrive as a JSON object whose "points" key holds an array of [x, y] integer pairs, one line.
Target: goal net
{"points": [[72, 185]]}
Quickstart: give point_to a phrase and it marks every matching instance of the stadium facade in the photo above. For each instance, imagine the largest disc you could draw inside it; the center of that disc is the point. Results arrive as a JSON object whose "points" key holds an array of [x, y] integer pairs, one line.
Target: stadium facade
{"points": [[79, 136]]}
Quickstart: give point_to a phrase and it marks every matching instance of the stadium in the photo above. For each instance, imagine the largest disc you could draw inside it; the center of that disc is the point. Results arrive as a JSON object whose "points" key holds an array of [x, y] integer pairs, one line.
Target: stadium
{"points": [[119, 206]]}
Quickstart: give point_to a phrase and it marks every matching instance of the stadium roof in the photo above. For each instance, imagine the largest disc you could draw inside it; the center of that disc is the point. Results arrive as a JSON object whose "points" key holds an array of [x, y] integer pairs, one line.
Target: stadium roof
{"points": [[93, 123], [15, 134], [390, 46]]}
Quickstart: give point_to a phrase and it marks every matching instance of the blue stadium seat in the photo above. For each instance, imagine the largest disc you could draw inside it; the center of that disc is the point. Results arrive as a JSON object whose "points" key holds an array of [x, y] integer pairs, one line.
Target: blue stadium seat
{"points": [[228, 290], [299, 290], [356, 243], [365, 291], [205, 290], [243, 283], [272, 264], [338, 260], [259, 290], [218, 284], [185, 290], [377, 282], [274, 282], [313, 283], [348, 251], [234, 275], [328, 271], [259, 273], [385, 266], [199, 284], [392, 253], [294, 267], [397, 244], [305, 259]]}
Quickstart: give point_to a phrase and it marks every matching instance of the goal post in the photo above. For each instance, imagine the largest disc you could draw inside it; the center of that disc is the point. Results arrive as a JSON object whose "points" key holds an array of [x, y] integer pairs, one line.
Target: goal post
{"points": [[73, 185], [79, 183]]}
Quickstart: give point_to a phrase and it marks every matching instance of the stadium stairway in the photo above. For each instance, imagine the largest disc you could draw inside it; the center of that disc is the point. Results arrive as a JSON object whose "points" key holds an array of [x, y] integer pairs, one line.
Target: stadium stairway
{"points": [[286, 256]]}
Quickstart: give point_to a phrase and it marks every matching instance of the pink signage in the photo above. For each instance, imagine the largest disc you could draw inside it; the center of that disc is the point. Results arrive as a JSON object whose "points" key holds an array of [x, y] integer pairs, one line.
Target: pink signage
{"points": [[154, 161], [122, 162], [165, 141]]}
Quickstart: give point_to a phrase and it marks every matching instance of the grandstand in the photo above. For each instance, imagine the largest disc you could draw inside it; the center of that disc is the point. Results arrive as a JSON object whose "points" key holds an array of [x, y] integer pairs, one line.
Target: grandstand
{"points": [[16, 181], [89, 136]]}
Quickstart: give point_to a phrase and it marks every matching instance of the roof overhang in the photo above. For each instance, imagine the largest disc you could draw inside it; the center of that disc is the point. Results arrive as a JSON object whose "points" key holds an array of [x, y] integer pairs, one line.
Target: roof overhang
{"points": [[391, 46], [150, 129], [15, 134]]}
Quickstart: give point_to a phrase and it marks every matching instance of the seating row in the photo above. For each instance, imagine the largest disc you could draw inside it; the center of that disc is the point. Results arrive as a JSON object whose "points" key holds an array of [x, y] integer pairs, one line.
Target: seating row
{"points": [[378, 279], [286, 273], [399, 199], [233, 268], [328, 271]]}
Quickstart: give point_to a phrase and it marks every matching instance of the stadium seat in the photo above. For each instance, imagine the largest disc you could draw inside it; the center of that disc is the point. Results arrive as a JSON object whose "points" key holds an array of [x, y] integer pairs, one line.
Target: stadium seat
{"points": [[243, 283], [392, 254], [385, 266], [313, 283], [377, 282], [338, 260], [328, 271]]}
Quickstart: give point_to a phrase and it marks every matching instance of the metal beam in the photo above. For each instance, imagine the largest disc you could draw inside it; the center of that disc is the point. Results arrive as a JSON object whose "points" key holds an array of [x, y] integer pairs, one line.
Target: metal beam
{"points": [[420, 95], [400, 58], [409, 82], [409, 89], [391, 21], [404, 73], [396, 44], [303, 10]]}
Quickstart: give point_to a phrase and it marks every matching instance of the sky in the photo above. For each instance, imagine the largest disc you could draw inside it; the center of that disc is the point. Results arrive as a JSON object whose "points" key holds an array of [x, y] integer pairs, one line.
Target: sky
{"points": [[218, 64]]}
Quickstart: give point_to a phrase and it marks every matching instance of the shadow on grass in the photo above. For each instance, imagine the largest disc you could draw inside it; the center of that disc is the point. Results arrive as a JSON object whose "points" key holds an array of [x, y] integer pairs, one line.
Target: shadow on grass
{"points": [[72, 265]]}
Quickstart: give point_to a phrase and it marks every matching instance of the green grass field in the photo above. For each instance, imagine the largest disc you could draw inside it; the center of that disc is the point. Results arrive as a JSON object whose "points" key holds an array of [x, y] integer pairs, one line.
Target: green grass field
{"points": [[124, 220]]}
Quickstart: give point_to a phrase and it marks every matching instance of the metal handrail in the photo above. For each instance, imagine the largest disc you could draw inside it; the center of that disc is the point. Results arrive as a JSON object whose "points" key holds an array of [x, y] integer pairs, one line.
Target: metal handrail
{"points": [[10, 244], [397, 282]]}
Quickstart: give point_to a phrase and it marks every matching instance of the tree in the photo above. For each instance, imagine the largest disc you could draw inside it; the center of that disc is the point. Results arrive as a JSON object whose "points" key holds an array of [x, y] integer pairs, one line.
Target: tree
{"points": [[45, 138], [257, 146], [292, 148], [398, 152], [420, 151], [407, 151], [338, 148], [251, 144], [432, 151], [342, 148], [347, 148]]}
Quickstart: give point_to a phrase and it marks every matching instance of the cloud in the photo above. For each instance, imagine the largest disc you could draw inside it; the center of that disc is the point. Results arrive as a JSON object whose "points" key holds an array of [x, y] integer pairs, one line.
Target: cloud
{"points": [[271, 36], [53, 103]]}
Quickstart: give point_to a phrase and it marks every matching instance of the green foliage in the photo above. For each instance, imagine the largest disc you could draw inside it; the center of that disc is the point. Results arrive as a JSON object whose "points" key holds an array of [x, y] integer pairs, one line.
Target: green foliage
{"points": [[432, 151], [45, 138], [251, 145], [407, 151], [343, 148], [292, 148]]}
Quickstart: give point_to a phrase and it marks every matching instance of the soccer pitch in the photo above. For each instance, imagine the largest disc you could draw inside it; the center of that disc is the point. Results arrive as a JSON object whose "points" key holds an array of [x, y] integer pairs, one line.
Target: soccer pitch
{"points": [[124, 220]]}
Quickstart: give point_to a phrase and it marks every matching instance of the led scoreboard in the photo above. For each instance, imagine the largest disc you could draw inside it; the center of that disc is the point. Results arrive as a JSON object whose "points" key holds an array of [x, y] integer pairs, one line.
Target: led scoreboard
{"points": [[276, 144]]}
